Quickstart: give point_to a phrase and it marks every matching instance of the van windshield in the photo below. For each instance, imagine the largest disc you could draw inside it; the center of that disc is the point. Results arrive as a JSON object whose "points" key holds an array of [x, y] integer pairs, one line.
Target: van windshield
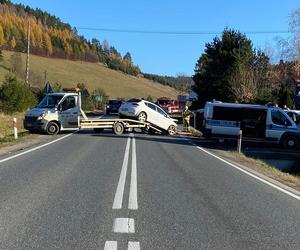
{"points": [[50, 101]]}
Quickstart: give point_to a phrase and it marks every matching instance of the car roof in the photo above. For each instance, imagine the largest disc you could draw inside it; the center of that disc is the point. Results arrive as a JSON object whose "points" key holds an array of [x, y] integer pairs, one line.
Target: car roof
{"points": [[237, 105], [292, 110]]}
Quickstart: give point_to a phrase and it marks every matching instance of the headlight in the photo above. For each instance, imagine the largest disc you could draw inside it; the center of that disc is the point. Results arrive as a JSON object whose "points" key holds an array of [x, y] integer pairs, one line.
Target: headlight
{"points": [[41, 116]]}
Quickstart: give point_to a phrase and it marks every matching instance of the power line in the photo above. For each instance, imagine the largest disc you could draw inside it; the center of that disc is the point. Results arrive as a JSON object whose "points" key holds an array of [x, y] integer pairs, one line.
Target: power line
{"points": [[163, 32]]}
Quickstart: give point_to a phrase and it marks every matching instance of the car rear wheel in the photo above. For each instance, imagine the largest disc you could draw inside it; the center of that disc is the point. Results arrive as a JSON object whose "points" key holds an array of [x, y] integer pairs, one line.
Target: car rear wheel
{"points": [[172, 130], [52, 128], [142, 117], [290, 142]]}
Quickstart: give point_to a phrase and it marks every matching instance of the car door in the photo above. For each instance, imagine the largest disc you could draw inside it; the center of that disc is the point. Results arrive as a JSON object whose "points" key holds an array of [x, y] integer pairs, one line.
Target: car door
{"points": [[278, 124], [151, 113], [162, 118], [69, 112]]}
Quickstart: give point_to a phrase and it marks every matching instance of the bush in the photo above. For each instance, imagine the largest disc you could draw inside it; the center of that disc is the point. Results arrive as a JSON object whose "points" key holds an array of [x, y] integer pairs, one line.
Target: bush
{"points": [[87, 103], [99, 98], [15, 96]]}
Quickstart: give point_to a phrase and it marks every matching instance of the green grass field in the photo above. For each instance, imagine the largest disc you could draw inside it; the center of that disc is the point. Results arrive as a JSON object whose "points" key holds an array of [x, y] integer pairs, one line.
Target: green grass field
{"points": [[94, 75]]}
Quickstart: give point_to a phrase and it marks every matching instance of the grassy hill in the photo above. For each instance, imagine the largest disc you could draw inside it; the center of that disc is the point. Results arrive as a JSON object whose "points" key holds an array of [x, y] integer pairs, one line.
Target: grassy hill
{"points": [[94, 75]]}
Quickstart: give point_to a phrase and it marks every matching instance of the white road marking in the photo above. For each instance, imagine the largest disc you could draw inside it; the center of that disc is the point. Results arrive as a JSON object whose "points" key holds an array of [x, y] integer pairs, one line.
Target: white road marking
{"points": [[132, 204], [123, 225], [250, 174], [111, 245], [36, 148], [133, 245], [121, 184]]}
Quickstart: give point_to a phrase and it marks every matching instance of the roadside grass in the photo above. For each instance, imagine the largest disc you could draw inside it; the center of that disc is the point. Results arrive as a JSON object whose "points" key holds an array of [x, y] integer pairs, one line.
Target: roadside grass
{"points": [[6, 129], [94, 75], [260, 166], [6, 124]]}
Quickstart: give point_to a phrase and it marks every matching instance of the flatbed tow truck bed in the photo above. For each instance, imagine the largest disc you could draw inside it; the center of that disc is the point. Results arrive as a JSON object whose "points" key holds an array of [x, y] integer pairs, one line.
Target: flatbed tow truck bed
{"points": [[117, 125]]}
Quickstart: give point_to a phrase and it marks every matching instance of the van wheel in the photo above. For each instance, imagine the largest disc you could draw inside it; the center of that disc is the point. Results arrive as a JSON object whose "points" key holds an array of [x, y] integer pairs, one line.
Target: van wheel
{"points": [[52, 128], [290, 142], [142, 117], [172, 130], [118, 128]]}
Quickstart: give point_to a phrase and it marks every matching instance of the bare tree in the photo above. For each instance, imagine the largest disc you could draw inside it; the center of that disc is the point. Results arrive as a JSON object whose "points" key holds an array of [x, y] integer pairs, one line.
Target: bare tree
{"points": [[243, 85]]}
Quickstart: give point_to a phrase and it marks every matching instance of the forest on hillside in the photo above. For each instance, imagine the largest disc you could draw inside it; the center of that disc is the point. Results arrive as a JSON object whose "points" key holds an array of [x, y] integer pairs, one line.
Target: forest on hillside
{"points": [[51, 37]]}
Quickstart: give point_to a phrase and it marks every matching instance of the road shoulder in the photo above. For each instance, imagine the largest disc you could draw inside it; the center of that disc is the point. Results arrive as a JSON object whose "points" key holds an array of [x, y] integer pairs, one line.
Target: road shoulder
{"points": [[256, 167]]}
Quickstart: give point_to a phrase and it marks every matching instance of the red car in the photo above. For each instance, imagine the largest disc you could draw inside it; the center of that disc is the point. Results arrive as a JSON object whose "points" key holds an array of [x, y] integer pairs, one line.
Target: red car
{"points": [[170, 105]]}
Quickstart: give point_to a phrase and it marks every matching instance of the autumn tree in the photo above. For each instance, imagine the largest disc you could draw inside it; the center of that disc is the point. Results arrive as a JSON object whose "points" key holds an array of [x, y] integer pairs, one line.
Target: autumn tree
{"points": [[13, 43], [47, 43], [2, 39]]}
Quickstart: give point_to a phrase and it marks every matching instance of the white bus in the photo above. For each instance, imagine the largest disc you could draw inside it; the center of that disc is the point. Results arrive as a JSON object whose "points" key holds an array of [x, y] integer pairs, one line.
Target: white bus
{"points": [[257, 122]]}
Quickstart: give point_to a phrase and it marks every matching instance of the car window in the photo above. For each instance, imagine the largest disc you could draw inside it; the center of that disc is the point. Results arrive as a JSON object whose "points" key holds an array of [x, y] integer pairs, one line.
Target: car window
{"points": [[68, 103], [150, 105], [297, 118], [159, 110], [279, 119]]}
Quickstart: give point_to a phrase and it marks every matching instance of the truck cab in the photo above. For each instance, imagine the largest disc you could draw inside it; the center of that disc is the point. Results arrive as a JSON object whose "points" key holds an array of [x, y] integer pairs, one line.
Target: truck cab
{"points": [[56, 112]]}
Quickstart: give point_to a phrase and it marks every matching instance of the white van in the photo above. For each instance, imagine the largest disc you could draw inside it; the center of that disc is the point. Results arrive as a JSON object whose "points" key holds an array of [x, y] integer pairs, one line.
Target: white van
{"points": [[56, 112], [257, 122]]}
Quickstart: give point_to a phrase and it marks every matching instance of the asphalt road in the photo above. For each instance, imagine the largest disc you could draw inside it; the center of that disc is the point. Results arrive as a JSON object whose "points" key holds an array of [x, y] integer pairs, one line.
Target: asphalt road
{"points": [[101, 191]]}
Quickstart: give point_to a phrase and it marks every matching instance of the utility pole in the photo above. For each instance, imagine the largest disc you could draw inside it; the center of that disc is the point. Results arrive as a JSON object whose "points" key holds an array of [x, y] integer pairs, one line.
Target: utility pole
{"points": [[27, 59]]}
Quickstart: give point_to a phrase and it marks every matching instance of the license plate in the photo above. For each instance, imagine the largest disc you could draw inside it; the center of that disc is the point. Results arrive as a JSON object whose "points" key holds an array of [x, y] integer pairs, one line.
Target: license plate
{"points": [[29, 124]]}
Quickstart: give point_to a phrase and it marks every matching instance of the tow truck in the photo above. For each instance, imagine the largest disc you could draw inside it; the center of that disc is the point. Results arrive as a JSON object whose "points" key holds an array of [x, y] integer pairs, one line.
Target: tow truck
{"points": [[62, 111]]}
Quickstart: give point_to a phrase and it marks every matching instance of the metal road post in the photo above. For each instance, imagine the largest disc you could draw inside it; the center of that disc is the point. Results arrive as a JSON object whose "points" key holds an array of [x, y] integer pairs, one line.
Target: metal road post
{"points": [[15, 128], [239, 142]]}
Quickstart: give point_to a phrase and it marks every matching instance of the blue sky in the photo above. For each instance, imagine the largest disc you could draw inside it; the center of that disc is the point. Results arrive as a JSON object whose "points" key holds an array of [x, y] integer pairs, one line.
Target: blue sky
{"points": [[171, 54]]}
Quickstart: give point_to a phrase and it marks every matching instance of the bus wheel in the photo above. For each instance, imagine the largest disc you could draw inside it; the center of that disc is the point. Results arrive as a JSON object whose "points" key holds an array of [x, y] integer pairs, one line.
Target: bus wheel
{"points": [[290, 142], [118, 128], [52, 128]]}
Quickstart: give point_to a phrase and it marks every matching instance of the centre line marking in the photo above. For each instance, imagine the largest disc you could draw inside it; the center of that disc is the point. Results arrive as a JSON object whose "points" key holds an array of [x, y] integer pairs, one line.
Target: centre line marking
{"points": [[134, 245], [132, 204], [120, 189], [123, 225], [111, 245]]}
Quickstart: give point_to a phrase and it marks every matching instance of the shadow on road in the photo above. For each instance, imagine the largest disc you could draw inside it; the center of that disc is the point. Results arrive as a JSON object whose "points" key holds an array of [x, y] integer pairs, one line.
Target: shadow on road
{"points": [[285, 160]]}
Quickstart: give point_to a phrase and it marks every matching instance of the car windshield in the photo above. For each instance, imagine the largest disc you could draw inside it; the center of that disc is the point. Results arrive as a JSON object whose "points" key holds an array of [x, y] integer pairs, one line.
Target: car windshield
{"points": [[164, 102], [50, 101]]}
